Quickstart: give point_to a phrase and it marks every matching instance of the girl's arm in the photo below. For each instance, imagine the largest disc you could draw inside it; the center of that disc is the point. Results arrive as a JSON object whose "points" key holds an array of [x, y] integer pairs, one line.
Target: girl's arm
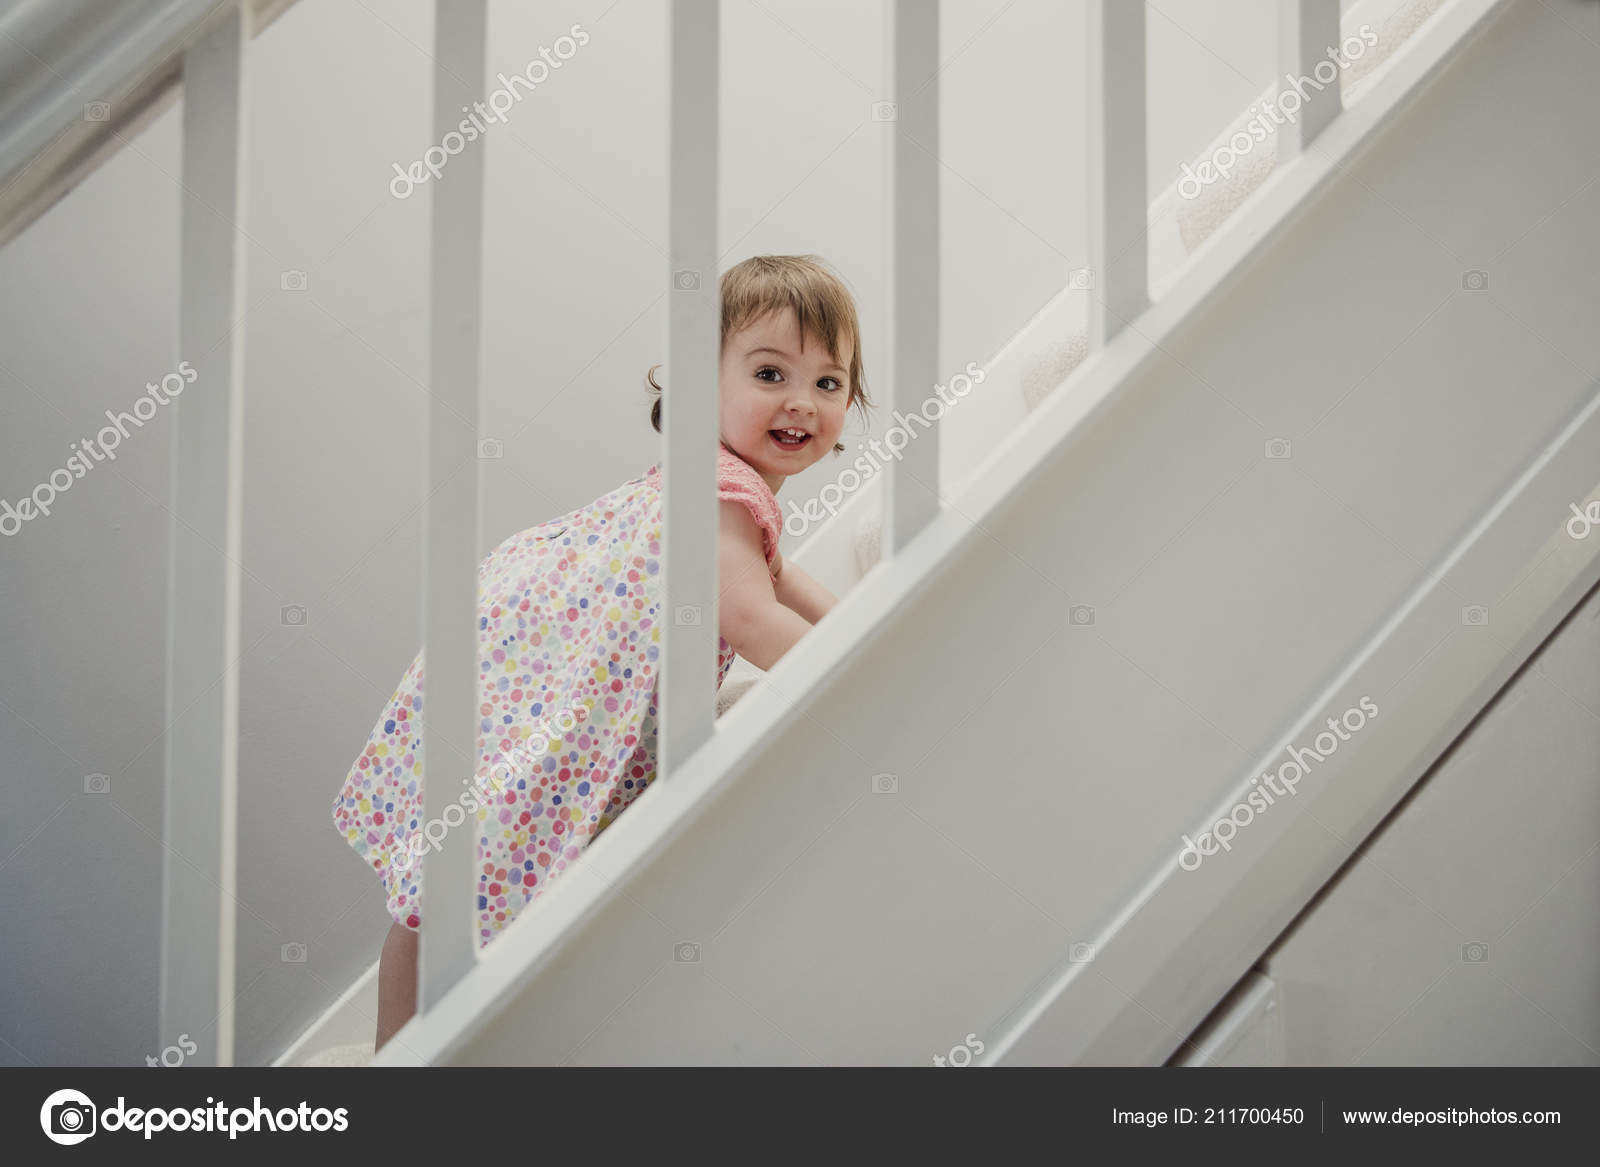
{"points": [[800, 591], [751, 618]]}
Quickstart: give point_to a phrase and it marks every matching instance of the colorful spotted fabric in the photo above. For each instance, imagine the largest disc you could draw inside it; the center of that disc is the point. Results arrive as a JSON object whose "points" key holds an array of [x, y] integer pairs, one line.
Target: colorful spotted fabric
{"points": [[569, 637]]}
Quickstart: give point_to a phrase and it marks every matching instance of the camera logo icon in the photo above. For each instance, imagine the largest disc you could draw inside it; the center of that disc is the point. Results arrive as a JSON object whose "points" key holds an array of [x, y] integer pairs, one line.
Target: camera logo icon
{"points": [[885, 111], [292, 281], [686, 953], [1475, 281], [97, 111], [491, 448], [1081, 952], [292, 953], [1477, 952], [885, 784], [686, 280], [686, 614], [292, 616], [1080, 615], [1474, 615], [96, 784], [1278, 448], [1081, 279], [68, 1117]]}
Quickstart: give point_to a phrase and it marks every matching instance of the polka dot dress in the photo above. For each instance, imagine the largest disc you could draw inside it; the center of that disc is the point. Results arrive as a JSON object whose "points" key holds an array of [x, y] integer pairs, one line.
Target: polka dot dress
{"points": [[569, 640]]}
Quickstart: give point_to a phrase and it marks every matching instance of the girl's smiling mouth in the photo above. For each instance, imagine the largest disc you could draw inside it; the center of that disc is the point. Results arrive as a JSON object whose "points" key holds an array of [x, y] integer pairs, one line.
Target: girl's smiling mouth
{"points": [[789, 439]]}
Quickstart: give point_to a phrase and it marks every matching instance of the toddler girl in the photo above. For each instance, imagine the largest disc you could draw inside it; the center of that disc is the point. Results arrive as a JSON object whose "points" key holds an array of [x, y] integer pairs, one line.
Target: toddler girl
{"points": [[569, 627]]}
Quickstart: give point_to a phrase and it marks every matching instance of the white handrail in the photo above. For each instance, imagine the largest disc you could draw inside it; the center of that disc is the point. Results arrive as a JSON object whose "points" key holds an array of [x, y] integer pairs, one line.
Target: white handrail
{"points": [[449, 945], [199, 829], [1307, 31], [1118, 278], [912, 490], [687, 681], [118, 68]]}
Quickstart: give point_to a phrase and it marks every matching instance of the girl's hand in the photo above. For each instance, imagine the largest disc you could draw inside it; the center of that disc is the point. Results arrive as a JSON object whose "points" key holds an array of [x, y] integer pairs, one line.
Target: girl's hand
{"points": [[801, 594]]}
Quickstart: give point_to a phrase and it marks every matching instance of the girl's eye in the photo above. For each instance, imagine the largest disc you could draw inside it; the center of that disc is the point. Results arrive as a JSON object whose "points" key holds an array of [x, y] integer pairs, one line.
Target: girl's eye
{"points": [[833, 384]]}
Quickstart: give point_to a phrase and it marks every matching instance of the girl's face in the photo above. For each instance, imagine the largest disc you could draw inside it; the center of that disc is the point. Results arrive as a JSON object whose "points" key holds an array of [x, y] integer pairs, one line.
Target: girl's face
{"points": [[769, 386]]}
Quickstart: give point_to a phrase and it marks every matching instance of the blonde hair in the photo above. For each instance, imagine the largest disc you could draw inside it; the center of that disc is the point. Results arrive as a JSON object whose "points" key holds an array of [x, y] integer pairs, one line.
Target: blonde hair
{"points": [[808, 287]]}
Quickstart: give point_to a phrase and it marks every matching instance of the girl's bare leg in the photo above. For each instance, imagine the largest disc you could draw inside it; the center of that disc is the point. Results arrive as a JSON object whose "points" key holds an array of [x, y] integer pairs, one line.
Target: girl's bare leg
{"points": [[397, 982]]}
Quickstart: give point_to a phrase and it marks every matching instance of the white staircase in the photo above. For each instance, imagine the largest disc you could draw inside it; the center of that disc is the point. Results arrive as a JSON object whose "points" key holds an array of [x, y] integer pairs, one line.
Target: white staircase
{"points": [[957, 808], [1332, 460]]}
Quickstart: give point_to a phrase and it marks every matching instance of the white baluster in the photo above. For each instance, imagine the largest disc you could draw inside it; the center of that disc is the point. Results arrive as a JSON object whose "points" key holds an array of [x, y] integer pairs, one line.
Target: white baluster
{"points": [[1307, 29], [199, 861], [450, 527], [1118, 276], [687, 681], [912, 498]]}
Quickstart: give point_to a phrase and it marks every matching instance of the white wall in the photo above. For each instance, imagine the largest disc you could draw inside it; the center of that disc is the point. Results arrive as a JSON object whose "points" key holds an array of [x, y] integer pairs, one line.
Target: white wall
{"points": [[87, 315], [573, 317]]}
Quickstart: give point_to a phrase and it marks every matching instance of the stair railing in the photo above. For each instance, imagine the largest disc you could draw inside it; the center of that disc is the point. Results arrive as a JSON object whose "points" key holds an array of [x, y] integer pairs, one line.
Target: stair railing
{"points": [[201, 767]]}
